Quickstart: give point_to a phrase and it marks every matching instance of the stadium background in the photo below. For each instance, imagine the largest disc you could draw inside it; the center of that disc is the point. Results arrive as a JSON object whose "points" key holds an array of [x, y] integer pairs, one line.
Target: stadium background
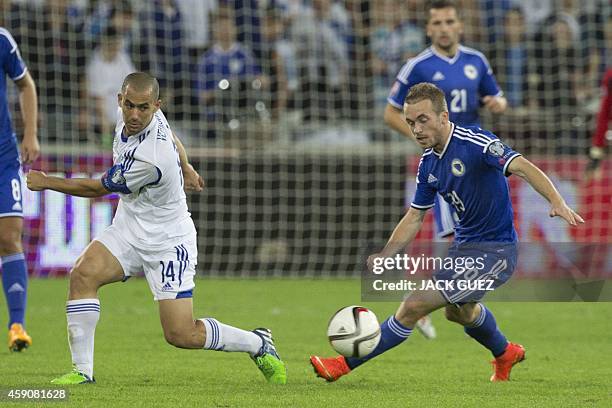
{"points": [[303, 176]]}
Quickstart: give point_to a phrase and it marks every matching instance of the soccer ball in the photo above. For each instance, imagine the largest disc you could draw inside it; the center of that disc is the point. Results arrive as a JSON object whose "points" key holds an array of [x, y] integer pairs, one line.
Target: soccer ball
{"points": [[353, 331]]}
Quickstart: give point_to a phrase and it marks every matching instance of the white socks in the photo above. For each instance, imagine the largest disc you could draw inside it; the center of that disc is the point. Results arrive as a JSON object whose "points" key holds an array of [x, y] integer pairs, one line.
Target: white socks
{"points": [[82, 316], [222, 337]]}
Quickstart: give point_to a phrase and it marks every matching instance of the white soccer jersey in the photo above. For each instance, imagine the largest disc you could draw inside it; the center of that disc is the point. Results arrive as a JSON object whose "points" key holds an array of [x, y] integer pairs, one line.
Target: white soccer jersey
{"points": [[146, 173]]}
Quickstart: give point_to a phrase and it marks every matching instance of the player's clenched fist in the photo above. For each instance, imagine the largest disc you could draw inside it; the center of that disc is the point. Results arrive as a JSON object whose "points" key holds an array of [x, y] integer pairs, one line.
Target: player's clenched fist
{"points": [[36, 180], [193, 181]]}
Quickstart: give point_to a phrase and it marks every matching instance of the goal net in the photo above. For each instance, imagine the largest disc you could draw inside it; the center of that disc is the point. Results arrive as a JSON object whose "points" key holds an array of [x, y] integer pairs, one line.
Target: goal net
{"points": [[280, 104]]}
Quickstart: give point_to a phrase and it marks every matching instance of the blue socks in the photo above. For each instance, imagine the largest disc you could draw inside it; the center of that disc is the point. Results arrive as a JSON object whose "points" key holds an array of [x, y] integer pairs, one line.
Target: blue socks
{"points": [[15, 283], [484, 330], [392, 333]]}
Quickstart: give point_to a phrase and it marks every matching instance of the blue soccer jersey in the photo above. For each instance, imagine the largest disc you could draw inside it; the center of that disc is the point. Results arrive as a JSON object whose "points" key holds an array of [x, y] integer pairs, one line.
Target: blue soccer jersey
{"points": [[10, 168], [12, 66], [465, 79], [236, 63], [470, 174]]}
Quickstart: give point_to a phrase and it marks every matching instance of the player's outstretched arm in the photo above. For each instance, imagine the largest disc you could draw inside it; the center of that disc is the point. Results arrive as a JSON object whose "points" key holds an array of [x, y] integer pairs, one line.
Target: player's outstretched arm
{"points": [[80, 187], [193, 181], [402, 235], [542, 184], [395, 118]]}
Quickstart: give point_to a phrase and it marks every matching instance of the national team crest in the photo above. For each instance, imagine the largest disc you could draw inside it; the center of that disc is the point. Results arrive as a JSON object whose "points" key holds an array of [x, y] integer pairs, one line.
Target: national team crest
{"points": [[470, 71], [457, 167], [496, 149]]}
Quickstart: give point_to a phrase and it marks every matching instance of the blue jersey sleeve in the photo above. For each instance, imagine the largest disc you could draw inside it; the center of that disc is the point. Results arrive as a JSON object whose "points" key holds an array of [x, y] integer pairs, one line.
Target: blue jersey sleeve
{"points": [[397, 95], [498, 155], [114, 180], [425, 194], [206, 74], [406, 78], [488, 84], [131, 178], [12, 63]]}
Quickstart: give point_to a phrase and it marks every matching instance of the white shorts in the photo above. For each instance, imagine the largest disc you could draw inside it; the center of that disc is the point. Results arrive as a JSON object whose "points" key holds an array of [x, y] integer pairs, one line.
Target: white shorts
{"points": [[169, 270]]}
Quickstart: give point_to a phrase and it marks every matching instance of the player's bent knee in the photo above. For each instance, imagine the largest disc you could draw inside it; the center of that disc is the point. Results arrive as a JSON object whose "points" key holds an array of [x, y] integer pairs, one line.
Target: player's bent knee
{"points": [[80, 280], [10, 244], [84, 276], [453, 314], [457, 315], [411, 311]]}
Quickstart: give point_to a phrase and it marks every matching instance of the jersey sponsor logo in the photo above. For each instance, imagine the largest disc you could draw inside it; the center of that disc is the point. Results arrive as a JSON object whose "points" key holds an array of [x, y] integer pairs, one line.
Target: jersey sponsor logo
{"points": [[17, 207], [496, 149], [166, 287], [438, 76], [457, 167], [432, 179], [470, 71]]}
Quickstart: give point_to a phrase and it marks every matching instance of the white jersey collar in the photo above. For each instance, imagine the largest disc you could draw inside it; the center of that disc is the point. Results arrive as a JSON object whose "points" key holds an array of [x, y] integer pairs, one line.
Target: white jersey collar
{"points": [[450, 136], [125, 138], [451, 61]]}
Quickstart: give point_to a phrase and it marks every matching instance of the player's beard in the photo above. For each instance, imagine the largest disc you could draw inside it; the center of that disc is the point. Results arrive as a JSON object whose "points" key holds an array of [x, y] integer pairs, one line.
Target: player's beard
{"points": [[448, 45]]}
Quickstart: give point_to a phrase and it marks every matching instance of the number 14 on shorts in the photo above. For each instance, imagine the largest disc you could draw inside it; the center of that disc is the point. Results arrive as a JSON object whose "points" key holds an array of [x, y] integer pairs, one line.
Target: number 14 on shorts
{"points": [[171, 271]]}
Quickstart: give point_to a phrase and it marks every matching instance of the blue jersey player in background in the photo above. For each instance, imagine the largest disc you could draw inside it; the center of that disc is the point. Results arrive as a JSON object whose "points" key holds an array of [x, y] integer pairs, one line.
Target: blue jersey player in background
{"points": [[468, 167], [14, 271], [464, 75], [467, 80]]}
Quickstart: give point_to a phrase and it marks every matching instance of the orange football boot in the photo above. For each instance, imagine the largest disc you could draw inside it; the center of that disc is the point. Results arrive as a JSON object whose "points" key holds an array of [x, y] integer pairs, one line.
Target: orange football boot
{"points": [[18, 339], [330, 368], [502, 365]]}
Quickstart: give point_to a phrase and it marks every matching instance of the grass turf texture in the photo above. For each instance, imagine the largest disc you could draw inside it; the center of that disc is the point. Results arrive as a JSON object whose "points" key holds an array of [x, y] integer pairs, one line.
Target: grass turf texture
{"points": [[569, 352]]}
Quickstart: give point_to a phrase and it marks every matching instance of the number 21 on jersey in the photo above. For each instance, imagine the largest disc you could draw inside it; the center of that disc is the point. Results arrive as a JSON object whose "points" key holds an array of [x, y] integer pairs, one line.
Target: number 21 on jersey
{"points": [[458, 100]]}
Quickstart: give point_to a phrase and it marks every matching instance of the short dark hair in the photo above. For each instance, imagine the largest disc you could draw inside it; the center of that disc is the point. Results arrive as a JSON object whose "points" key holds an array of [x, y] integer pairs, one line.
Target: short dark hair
{"points": [[142, 81], [426, 91], [442, 4]]}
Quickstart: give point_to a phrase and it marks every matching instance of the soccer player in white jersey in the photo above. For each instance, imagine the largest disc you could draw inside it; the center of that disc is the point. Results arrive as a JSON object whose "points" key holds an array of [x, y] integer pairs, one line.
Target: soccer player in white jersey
{"points": [[152, 231], [468, 166], [465, 76]]}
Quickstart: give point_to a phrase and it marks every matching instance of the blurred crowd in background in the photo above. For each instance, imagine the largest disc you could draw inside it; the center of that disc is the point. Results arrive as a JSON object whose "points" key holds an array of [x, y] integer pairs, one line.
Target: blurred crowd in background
{"points": [[232, 69]]}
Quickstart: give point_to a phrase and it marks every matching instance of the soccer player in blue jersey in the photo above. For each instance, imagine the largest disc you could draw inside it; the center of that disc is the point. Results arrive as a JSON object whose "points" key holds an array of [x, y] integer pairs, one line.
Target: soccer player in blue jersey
{"points": [[463, 73], [465, 76], [468, 166], [14, 271]]}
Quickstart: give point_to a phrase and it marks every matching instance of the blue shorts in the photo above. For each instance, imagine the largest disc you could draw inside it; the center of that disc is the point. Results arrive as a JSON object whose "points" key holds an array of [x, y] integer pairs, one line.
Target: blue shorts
{"points": [[445, 217], [11, 189], [491, 265]]}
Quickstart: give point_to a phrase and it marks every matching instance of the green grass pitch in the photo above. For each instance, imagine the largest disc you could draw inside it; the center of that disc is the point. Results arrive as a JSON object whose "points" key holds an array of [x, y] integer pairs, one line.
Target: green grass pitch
{"points": [[569, 352]]}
